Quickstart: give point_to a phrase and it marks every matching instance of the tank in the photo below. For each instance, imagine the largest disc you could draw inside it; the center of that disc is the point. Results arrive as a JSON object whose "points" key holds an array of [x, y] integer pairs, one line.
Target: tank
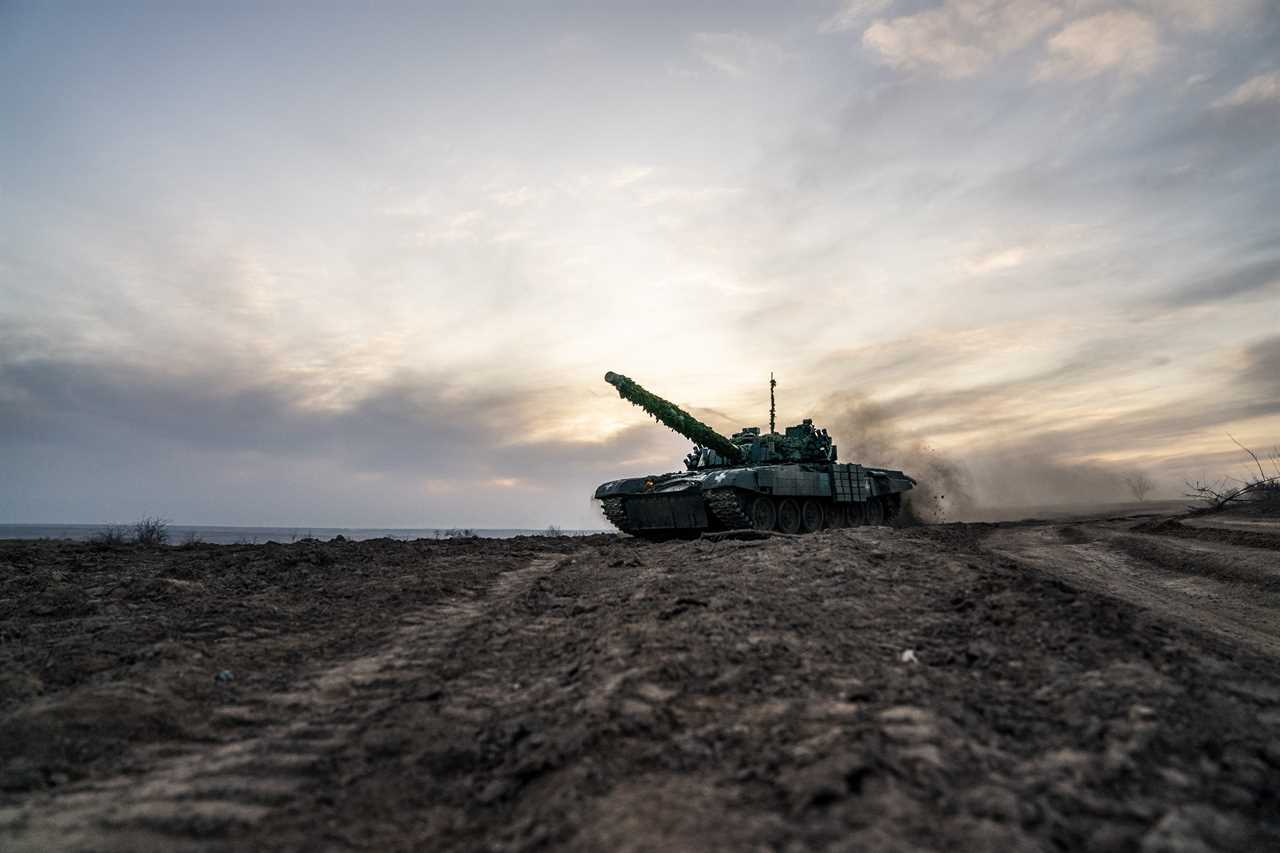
{"points": [[789, 481]]}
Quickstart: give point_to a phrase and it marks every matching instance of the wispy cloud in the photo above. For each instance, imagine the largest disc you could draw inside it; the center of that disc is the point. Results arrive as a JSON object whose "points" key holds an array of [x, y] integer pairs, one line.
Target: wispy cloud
{"points": [[1250, 278], [997, 261], [1204, 15], [1260, 89], [628, 175], [961, 37], [1120, 42], [737, 54], [1262, 366], [853, 15]]}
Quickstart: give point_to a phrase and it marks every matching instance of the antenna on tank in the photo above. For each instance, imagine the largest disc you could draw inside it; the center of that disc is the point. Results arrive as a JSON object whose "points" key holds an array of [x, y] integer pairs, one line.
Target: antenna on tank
{"points": [[772, 410]]}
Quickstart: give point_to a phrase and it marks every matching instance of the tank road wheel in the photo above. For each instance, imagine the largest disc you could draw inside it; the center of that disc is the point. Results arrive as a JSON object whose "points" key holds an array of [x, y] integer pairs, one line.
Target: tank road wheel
{"points": [[840, 515], [810, 516], [763, 515], [789, 516], [875, 511]]}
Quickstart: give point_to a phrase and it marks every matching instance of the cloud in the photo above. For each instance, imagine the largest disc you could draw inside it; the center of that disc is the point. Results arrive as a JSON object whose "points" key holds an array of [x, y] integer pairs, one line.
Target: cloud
{"points": [[1204, 15], [1247, 279], [1262, 89], [516, 197], [997, 261], [852, 15], [737, 54], [1122, 42], [220, 445], [976, 389], [962, 37], [1262, 367], [629, 175]]}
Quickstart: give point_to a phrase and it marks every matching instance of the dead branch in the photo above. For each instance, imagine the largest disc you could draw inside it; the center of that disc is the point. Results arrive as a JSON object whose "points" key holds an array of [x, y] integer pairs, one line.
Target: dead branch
{"points": [[1261, 473], [1217, 495]]}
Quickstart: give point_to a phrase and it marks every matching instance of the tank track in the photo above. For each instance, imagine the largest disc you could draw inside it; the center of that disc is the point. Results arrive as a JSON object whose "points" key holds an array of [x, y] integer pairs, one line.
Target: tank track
{"points": [[727, 509], [616, 513]]}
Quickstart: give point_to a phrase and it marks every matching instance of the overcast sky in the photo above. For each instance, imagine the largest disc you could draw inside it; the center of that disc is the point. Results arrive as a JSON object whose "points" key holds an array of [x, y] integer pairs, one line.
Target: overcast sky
{"points": [[333, 265]]}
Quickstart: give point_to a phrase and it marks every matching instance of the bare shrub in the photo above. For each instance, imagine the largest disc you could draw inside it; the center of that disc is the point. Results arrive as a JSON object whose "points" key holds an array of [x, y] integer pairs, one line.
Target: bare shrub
{"points": [[112, 536], [1218, 494], [1140, 485], [553, 530], [151, 531], [191, 540]]}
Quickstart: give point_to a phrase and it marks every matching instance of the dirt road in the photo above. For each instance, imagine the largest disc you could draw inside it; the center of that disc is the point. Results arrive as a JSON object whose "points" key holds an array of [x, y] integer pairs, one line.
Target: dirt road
{"points": [[1195, 574], [858, 689]]}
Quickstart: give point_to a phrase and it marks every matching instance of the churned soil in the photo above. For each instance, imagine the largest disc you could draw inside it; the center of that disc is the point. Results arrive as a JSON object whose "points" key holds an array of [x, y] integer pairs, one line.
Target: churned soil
{"points": [[888, 689]]}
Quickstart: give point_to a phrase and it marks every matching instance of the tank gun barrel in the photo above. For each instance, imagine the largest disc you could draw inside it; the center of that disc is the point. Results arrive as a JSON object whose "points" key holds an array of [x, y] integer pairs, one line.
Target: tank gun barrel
{"points": [[666, 412]]}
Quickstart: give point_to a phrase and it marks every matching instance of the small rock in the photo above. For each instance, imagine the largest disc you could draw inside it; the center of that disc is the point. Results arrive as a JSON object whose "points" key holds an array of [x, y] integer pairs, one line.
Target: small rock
{"points": [[1175, 777], [494, 791], [226, 676], [907, 724], [655, 693], [994, 802], [1193, 829], [825, 782], [908, 656], [981, 651], [1113, 838]]}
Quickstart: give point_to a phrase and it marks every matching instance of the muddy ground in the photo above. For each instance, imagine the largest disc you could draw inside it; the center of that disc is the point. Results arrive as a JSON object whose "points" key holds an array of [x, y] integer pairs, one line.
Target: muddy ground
{"points": [[1105, 685]]}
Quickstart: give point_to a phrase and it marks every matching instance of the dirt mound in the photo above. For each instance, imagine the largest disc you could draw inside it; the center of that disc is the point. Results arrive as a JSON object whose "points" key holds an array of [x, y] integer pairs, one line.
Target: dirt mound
{"points": [[1242, 538], [859, 689]]}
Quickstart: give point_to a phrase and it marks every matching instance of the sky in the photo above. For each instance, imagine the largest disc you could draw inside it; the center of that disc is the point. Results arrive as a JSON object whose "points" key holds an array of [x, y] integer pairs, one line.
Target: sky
{"points": [[343, 264]]}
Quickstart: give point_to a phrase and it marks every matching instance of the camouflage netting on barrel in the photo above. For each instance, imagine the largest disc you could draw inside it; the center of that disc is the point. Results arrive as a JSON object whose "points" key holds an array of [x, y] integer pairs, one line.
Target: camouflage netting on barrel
{"points": [[678, 419]]}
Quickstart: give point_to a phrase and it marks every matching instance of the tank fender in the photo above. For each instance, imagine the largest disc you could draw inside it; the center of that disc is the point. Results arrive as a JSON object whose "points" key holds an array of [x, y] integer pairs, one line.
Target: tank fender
{"points": [[888, 482], [627, 486]]}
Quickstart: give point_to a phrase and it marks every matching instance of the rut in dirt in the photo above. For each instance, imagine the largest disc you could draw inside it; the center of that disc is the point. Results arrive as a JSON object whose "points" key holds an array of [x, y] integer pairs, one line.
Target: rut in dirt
{"points": [[195, 797]]}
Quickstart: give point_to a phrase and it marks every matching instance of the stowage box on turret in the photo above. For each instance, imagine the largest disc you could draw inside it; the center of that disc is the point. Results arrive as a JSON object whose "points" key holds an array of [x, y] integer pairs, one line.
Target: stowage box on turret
{"points": [[789, 482]]}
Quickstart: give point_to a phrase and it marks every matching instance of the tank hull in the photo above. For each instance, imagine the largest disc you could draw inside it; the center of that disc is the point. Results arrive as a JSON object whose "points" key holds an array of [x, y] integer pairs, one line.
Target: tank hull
{"points": [[789, 497]]}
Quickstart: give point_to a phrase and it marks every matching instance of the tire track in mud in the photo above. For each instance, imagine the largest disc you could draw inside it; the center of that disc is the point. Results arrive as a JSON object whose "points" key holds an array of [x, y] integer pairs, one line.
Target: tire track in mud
{"points": [[1092, 560], [206, 796]]}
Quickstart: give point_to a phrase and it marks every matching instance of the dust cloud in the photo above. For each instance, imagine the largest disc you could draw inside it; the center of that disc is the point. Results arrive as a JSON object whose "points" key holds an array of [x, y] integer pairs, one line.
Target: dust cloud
{"points": [[865, 433], [1000, 478]]}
